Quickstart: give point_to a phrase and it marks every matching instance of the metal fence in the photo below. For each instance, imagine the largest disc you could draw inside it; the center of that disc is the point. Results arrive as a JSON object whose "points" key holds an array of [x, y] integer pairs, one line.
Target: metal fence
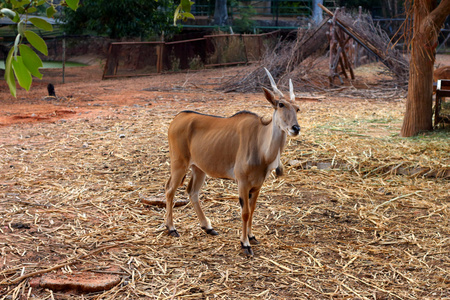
{"points": [[186, 54], [278, 12], [260, 8], [146, 58]]}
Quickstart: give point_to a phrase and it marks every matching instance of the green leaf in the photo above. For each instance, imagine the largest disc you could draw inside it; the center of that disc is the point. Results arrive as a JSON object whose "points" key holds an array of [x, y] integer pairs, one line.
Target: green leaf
{"points": [[9, 74], [7, 12], [17, 4], [31, 10], [16, 18], [188, 15], [41, 23], [22, 74], [31, 60], [50, 11], [36, 41], [73, 4], [41, 2], [176, 15], [186, 5]]}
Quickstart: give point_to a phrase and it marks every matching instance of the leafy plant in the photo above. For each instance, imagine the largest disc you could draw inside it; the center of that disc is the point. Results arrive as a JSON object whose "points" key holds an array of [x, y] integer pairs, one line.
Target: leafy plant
{"points": [[245, 24], [183, 11], [227, 49], [175, 62], [196, 63], [122, 18], [127, 18], [22, 61]]}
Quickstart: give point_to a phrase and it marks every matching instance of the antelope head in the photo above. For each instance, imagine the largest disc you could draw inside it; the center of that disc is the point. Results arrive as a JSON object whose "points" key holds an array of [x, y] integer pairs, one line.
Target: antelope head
{"points": [[285, 114]]}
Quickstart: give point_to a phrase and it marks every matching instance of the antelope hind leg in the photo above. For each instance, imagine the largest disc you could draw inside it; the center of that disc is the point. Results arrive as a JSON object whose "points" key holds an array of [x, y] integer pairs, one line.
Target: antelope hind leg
{"points": [[175, 180], [193, 189]]}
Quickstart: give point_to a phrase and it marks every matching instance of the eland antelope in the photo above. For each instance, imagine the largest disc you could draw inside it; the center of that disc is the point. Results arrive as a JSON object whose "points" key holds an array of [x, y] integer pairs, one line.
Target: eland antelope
{"points": [[242, 147]]}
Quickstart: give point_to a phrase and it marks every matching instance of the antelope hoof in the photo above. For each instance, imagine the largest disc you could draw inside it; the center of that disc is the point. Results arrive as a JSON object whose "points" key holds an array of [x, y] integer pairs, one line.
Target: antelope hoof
{"points": [[279, 171], [174, 233], [253, 240], [247, 250], [210, 231]]}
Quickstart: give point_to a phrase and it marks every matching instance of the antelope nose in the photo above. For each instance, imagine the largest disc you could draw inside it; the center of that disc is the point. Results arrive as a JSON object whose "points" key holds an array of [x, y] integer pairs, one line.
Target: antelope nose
{"points": [[296, 129]]}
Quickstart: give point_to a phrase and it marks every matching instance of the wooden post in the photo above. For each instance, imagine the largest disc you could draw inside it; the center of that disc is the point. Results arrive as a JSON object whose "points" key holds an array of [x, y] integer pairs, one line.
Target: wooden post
{"points": [[347, 65], [338, 55], [106, 69], [64, 58], [333, 50], [358, 48], [341, 63], [112, 61], [159, 57]]}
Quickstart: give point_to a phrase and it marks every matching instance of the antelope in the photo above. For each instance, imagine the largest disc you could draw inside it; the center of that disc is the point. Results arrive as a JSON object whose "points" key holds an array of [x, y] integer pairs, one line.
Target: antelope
{"points": [[242, 147], [441, 73]]}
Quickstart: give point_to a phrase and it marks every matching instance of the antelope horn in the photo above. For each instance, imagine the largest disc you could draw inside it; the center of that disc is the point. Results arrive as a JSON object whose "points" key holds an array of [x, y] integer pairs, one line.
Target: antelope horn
{"points": [[291, 90], [273, 84]]}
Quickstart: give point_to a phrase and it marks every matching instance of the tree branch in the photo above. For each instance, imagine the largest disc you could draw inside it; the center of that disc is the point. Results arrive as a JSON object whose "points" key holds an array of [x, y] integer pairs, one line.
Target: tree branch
{"points": [[440, 13]]}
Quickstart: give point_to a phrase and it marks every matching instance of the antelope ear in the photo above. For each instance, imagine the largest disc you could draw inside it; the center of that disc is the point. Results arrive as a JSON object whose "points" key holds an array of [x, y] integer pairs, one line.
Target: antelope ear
{"points": [[270, 97]]}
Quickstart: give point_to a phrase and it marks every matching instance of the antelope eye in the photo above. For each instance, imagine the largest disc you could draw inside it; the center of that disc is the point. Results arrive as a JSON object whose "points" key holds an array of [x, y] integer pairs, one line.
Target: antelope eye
{"points": [[298, 109], [280, 105]]}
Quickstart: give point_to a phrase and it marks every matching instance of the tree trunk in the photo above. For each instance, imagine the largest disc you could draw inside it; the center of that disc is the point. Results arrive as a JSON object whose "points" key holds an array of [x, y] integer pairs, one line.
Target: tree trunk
{"points": [[317, 12], [428, 19], [220, 13]]}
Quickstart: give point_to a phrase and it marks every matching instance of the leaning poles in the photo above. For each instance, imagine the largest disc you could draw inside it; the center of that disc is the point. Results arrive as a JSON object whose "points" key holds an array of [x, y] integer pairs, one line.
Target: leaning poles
{"points": [[338, 53]]}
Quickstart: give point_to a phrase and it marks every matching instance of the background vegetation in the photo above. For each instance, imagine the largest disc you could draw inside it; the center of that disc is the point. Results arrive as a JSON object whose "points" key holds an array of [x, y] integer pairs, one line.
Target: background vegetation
{"points": [[122, 18]]}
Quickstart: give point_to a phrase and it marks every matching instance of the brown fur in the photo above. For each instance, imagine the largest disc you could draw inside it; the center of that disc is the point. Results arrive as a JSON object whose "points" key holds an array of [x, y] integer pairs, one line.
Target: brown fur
{"points": [[441, 73], [242, 147]]}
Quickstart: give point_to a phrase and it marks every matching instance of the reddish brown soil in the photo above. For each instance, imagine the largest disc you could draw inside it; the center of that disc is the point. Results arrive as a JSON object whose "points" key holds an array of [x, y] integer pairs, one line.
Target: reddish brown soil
{"points": [[85, 94]]}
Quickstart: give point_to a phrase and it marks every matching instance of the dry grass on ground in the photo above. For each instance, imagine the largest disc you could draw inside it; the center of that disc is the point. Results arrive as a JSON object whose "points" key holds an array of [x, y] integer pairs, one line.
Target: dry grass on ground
{"points": [[345, 222]]}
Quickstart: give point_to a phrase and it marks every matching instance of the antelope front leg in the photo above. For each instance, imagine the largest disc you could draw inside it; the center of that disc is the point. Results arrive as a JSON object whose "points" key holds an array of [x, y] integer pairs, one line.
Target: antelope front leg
{"points": [[253, 196], [245, 213]]}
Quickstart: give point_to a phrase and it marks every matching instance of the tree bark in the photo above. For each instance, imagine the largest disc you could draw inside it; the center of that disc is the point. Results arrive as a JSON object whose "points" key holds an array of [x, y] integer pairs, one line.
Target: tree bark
{"points": [[428, 19], [317, 12], [220, 13]]}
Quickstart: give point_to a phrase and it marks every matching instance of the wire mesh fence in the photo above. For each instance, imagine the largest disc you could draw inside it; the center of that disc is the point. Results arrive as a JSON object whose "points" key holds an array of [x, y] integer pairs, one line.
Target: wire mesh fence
{"points": [[133, 59], [145, 58], [186, 54]]}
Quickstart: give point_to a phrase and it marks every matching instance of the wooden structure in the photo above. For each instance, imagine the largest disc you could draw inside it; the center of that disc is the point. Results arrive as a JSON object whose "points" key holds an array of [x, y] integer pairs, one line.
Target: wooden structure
{"points": [[341, 44], [442, 91], [391, 59]]}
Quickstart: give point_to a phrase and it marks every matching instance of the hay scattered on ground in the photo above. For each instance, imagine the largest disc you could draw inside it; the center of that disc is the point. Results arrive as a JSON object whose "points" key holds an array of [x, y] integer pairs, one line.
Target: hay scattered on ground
{"points": [[358, 229]]}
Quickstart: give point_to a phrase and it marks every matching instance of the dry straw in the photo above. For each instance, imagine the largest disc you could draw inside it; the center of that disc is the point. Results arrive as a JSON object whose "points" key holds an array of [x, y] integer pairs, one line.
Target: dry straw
{"points": [[344, 222]]}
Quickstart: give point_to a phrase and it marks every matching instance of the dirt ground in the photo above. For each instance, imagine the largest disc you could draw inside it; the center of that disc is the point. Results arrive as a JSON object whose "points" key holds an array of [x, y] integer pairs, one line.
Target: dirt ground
{"points": [[85, 93], [347, 221]]}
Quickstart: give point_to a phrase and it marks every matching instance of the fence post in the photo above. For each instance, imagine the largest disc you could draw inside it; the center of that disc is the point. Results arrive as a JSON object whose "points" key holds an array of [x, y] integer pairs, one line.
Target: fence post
{"points": [[159, 57], [64, 58]]}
